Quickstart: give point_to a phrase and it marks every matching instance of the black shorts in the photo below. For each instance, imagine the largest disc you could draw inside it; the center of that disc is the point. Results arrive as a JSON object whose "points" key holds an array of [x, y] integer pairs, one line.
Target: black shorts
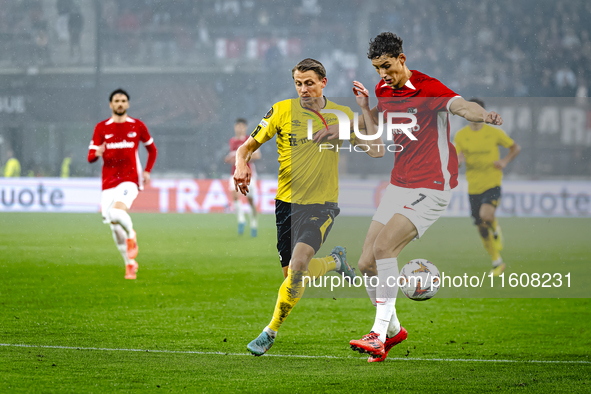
{"points": [[491, 196], [309, 224]]}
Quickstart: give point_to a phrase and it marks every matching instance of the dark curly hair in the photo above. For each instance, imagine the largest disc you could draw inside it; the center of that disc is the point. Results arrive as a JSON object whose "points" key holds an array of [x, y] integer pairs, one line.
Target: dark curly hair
{"points": [[385, 43], [118, 91]]}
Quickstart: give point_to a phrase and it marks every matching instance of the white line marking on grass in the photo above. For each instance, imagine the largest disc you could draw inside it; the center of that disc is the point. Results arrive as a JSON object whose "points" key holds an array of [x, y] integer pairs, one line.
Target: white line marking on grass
{"points": [[462, 360]]}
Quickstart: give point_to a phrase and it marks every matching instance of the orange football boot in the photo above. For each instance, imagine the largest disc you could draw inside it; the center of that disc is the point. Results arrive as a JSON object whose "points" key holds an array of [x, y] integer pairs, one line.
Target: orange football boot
{"points": [[131, 270], [132, 247]]}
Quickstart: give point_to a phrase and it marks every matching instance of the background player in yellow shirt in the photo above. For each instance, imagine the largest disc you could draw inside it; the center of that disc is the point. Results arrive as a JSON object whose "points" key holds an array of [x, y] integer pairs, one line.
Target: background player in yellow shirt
{"points": [[13, 167], [478, 146], [308, 189]]}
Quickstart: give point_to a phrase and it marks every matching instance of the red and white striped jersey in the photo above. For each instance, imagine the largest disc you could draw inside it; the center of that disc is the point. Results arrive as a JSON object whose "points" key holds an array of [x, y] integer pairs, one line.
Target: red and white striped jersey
{"points": [[430, 161], [121, 162]]}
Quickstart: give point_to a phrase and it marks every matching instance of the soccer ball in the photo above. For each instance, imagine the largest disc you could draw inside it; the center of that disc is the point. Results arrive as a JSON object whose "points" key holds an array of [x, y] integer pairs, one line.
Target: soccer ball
{"points": [[419, 280]]}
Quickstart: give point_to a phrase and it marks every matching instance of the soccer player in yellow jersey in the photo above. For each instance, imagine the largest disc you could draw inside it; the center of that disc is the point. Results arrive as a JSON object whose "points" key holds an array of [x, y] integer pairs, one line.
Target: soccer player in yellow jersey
{"points": [[478, 146], [308, 189], [13, 167]]}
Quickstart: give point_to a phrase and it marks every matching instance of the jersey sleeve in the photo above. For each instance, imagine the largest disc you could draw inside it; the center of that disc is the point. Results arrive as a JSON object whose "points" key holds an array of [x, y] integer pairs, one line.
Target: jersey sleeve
{"points": [[97, 140], [148, 141], [503, 139], [145, 136], [269, 125], [439, 96]]}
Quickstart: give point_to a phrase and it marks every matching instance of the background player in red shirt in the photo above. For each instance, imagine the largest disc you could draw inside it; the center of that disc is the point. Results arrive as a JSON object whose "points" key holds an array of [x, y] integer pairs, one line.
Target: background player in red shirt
{"points": [[116, 140], [240, 128], [424, 173]]}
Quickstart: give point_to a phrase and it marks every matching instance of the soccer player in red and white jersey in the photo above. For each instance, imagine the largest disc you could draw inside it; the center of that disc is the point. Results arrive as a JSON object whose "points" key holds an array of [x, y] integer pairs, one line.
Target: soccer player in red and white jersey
{"points": [[424, 174], [116, 140], [240, 128]]}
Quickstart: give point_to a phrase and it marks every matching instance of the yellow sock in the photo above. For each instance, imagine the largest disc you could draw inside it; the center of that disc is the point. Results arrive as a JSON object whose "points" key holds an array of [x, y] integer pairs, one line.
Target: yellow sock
{"points": [[497, 230], [320, 266], [489, 245], [290, 292], [494, 225]]}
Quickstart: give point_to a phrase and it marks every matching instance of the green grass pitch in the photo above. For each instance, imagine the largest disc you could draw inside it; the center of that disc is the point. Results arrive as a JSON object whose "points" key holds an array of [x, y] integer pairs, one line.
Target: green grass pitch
{"points": [[203, 293]]}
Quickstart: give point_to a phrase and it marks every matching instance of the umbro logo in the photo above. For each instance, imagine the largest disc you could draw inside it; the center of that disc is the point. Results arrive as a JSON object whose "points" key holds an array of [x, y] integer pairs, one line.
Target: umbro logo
{"points": [[107, 136], [132, 134]]}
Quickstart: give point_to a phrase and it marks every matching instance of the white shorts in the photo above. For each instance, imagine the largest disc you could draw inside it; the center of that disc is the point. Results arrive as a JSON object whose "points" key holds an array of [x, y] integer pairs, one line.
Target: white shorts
{"points": [[125, 192], [421, 206]]}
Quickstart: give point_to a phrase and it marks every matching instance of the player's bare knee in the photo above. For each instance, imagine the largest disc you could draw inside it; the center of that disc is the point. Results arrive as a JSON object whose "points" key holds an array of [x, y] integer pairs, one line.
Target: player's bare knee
{"points": [[298, 263], [383, 250], [487, 217]]}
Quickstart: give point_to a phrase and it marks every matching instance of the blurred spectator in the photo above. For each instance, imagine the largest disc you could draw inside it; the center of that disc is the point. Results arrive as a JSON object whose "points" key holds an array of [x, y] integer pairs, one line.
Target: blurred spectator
{"points": [[13, 167], [75, 26], [65, 167], [566, 81]]}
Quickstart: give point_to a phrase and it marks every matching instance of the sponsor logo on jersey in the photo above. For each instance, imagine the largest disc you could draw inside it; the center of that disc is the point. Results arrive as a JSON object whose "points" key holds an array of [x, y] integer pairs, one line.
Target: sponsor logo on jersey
{"points": [[121, 145], [132, 134], [411, 111], [107, 136], [264, 123]]}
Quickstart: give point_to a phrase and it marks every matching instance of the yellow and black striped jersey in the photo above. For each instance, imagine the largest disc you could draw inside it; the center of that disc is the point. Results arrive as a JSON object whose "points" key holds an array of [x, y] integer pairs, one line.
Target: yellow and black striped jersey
{"points": [[308, 172]]}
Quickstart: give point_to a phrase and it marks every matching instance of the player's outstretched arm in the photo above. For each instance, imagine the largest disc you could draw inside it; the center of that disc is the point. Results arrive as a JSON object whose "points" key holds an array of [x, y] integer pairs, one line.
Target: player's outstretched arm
{"points": [[152, 154], [367, 122], [513, 152], [474, 112], [242, 174]]}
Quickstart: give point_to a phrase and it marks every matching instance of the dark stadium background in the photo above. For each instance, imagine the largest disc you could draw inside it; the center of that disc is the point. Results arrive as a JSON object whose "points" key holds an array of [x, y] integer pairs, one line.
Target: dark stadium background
{"points": [[192, 67]]}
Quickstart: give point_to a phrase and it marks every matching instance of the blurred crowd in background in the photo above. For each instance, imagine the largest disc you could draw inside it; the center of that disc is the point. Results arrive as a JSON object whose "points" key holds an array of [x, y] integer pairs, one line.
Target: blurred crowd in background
{"points": [[239, 54]]}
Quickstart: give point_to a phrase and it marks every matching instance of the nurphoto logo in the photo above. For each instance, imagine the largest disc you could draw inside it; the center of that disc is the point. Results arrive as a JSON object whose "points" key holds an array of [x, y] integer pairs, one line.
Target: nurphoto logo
{"points": [[391, 129]]}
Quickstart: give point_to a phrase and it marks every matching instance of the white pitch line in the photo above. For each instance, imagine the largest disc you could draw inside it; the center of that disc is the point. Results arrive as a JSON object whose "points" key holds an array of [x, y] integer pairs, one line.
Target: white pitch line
{"points": [[463, 360]]}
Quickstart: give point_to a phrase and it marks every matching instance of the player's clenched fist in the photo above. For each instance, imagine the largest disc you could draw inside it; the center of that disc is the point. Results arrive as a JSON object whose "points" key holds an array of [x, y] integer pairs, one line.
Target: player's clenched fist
{"points": [[493, 118]]}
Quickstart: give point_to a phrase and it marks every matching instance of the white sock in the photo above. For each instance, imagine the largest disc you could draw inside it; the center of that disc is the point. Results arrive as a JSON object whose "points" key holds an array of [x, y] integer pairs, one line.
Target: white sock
{"points": [[385, 295], [252, 214], [239, 211], [371, 290], [119, 236], [394, 326], [122, 218], [271, 333], [497, 262]]}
